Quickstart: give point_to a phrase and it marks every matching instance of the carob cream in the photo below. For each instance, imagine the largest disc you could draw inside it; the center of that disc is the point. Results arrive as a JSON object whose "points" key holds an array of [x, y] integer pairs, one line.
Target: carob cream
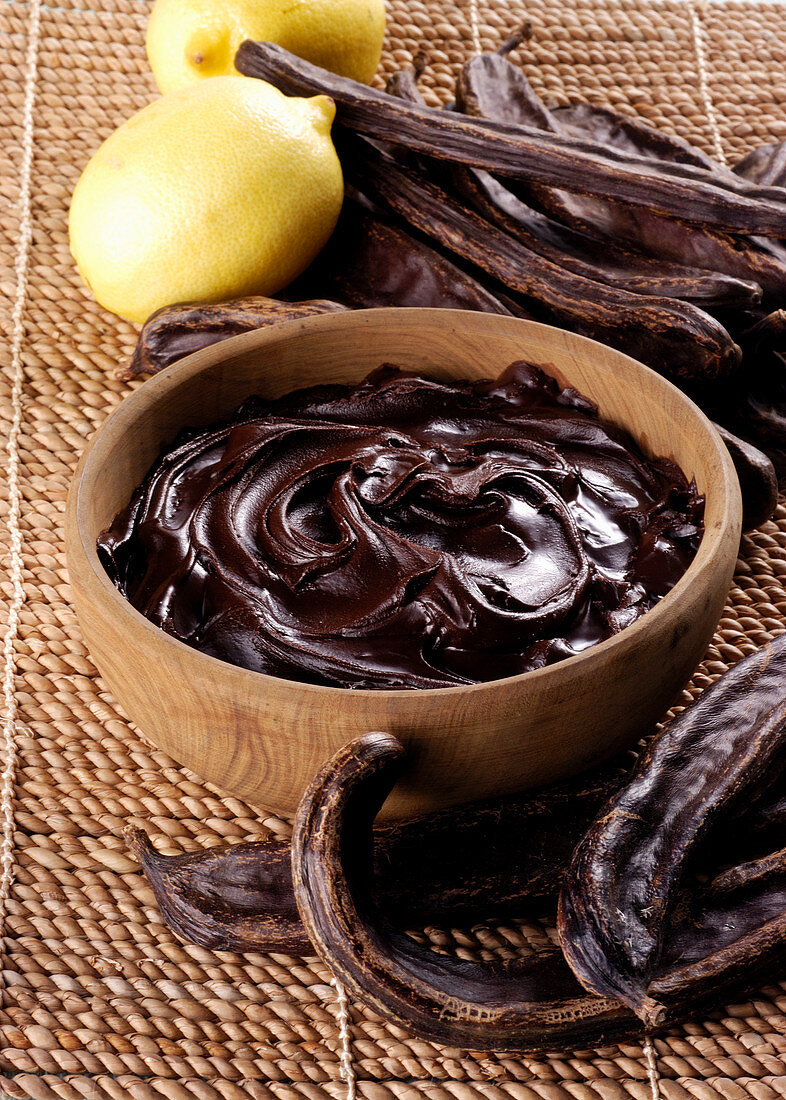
{"points": [[404, 532]]}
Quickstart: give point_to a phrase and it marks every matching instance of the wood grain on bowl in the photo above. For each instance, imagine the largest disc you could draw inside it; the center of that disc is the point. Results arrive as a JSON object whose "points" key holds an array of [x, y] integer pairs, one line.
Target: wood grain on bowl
{"points": [[264, 738]]}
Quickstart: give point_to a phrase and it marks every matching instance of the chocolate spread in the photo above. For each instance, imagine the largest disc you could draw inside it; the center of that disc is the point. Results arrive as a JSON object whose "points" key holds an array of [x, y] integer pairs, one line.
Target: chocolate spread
{"points": [[404, 532]]}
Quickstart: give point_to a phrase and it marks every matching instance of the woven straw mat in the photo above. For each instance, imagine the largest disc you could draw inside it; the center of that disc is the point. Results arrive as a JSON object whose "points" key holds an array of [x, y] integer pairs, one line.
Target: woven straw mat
{"points": [[99, 1000]]}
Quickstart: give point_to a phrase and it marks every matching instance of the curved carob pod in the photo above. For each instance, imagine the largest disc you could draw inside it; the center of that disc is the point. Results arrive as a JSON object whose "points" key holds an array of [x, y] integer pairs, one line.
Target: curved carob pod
{"points": [[175, 331], [533, 1004], [619, 899], [489, 86], [683, 191], [442, 867], [669, 335]]}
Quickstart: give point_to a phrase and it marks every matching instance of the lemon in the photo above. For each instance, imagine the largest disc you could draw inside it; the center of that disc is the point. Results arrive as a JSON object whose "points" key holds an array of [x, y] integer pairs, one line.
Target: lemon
{"points": [[191, 39], [222, 189]]}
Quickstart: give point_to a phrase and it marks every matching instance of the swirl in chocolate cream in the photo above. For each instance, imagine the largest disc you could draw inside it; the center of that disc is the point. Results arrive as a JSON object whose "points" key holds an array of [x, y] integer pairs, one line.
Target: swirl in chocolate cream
{"points": [[404, 532]]}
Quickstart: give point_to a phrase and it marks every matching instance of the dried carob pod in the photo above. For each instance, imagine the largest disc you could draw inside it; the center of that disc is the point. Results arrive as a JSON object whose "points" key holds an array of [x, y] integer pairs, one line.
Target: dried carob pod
{"points": [[617, 908], [670, 335], [489, 86], [602, 260], [752, 405], [532, 1004], [766, 164], [685, 191], [403, 84], [760, 254], [722, 937], [235, 897], [370, 262], [442, 867], [632, 920], [758, 481], [175, 331]]}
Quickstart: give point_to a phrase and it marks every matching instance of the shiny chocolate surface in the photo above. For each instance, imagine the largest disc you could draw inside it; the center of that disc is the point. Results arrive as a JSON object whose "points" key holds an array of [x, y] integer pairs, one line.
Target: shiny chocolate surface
{"points": [[404, 532]]}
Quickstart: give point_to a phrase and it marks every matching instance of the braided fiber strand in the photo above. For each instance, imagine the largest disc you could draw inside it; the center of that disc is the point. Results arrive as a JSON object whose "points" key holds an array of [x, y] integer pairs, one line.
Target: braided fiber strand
{"points": [[697, 10], [21, 265]]}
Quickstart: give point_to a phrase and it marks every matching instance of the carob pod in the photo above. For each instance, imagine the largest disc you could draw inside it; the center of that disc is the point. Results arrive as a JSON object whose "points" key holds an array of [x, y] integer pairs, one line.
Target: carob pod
{"points": [[721, 939], [532, 1004], [752, 404], [726, 750], [445, 866], [370, 262], [442, 867], [763, 255], [489, 86], [670, 335], [618, 903], [732, 934], [403, 84], [234, 897], [758, 481], [600, 259], [679, 190], [603, 260], [766, 164], [175, 331]]}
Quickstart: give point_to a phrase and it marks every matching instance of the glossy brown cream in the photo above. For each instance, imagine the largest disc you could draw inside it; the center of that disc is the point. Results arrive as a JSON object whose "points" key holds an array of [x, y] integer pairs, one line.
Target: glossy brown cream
{"points": [[404, 532]]}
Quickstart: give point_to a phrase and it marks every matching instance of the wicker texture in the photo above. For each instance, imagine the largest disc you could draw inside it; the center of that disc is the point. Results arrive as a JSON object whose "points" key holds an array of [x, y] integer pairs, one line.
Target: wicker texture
{"points": [[99, 1000]]}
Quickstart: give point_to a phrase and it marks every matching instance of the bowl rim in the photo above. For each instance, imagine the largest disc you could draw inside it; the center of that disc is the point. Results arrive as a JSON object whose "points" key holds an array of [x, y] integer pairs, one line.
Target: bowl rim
{"points": [[124, 416]]}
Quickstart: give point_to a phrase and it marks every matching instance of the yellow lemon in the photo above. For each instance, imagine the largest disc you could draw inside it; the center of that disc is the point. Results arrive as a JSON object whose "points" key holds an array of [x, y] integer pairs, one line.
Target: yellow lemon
{"points": [[222, 189], [191, 39]]}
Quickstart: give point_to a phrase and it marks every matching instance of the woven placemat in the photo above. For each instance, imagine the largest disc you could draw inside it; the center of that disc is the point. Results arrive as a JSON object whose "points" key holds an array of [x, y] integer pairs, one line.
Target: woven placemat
{"points": [[98, 998]]}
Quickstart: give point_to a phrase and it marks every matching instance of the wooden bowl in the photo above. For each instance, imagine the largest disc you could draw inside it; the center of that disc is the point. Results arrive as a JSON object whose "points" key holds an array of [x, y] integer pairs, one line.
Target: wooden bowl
{"points": [[263, 738]]}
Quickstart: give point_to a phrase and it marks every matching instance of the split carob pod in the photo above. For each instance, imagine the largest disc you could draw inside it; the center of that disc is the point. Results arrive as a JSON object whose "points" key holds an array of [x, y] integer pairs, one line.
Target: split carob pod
{"points": [[735, 926], [621, 895], [679, 190], [445, 866], [669, 335], [531, 1004], [603, 260], [175, 331], [490, 86]]}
